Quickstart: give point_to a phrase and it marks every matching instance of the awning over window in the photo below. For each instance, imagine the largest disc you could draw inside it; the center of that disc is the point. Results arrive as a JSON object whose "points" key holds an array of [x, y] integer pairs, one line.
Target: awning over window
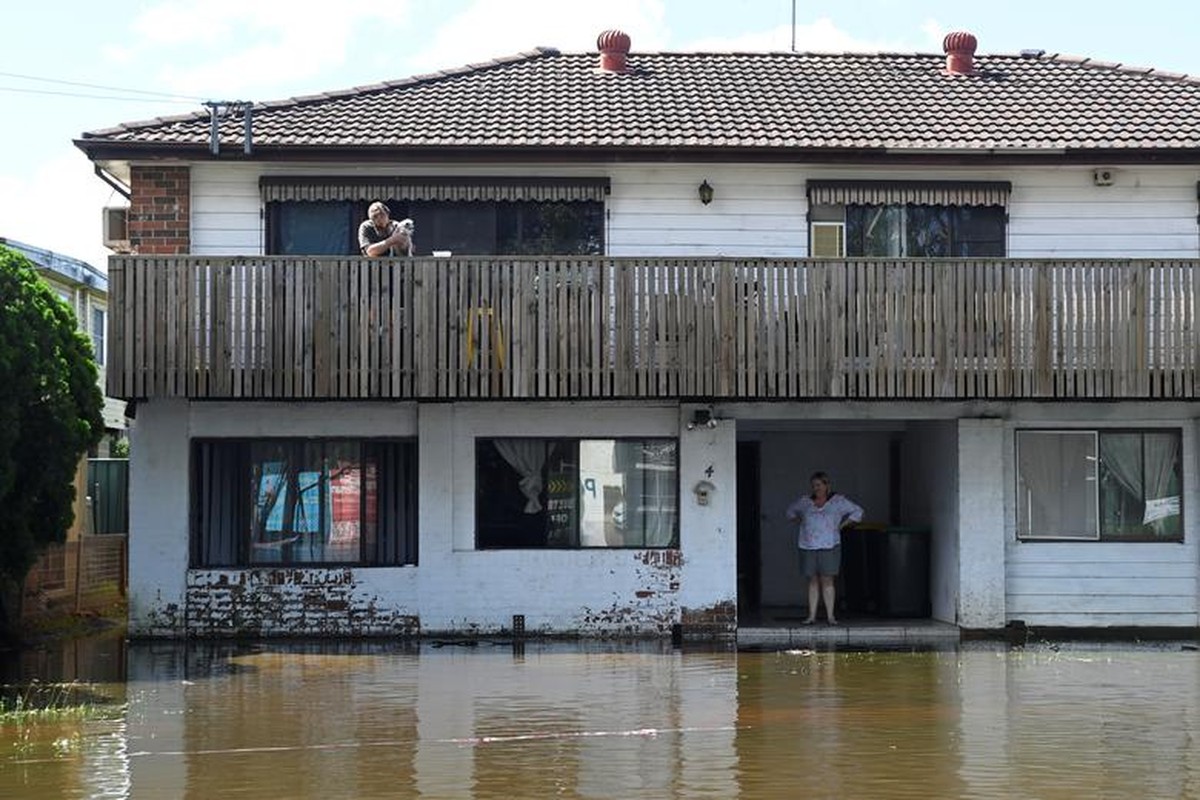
{"points": [[921, 193], [324, 187]]}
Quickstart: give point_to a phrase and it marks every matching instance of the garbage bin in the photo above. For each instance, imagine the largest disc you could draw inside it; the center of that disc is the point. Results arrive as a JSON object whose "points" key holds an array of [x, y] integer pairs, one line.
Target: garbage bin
{"points": [[860, 569], [903, 572]]}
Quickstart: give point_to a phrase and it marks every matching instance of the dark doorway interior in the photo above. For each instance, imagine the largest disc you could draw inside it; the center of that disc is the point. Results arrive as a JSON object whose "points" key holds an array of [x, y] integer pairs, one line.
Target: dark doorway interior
{"points": [[749, 549]]}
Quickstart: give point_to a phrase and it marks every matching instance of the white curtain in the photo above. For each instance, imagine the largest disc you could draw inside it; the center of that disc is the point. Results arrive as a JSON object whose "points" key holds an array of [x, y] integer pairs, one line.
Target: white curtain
{"points": [[1122, 455], [1162, 450], [1056, 474], [1149, 481], [527, 457]]}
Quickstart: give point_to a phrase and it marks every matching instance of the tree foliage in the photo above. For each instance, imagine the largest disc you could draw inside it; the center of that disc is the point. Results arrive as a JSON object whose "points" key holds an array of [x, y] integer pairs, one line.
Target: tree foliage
{"points": [[50, 415]]}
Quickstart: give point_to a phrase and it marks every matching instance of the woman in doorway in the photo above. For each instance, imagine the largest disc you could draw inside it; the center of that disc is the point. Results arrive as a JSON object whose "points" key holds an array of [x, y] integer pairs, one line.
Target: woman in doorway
{"points": [[822, 516]]}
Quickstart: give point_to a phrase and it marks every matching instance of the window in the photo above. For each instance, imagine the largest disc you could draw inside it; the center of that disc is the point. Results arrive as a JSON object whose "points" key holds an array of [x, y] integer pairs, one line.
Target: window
{"points": [[907, 219], [303, 501], [321, 228], [576, 493], [1109, 485], [907, 231], [98, 334], [462, 214], [460, 227]]}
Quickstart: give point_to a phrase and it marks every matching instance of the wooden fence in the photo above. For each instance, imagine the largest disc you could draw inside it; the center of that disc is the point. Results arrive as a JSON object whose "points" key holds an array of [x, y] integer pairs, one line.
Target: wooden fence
{"points": [[84, 573], [580, 327]]}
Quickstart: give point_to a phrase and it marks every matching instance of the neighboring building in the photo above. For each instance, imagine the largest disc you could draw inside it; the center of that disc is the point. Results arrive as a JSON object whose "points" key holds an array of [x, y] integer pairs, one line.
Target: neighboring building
{"points": [[654, 323], [85, 289]]}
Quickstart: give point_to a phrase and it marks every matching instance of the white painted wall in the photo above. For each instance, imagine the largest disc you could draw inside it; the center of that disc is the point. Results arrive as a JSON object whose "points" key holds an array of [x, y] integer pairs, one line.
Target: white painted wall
{"points": [[1098, 584], [708, 532], [958, 477], [760, 209], [596, 590], [929, 497], [455, 588], [159, 506], [981, 523], [158, 518]]}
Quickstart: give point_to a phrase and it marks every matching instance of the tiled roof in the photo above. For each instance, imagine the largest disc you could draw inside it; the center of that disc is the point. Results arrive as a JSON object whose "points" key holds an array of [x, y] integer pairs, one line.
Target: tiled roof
{"points": [[546, 99]]}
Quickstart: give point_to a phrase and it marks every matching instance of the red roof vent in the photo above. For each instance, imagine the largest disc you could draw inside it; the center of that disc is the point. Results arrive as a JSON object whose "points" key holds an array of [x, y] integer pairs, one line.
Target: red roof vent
{"points": [[960, 53], [614, 47]]}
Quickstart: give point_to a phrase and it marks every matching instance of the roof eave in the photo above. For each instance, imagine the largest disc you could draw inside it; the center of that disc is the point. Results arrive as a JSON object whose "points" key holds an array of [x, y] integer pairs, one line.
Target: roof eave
{"points": [[109, 150]]}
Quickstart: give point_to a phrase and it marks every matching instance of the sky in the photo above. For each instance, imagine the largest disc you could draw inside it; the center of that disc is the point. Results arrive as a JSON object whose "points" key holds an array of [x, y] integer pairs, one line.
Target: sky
{"points": [[90, 65]]}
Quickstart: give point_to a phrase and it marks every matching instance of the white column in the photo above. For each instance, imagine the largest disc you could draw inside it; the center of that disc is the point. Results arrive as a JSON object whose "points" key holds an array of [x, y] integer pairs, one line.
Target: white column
{"points": [[158, 518], [707, 533], [437, 584], [981, 523]]}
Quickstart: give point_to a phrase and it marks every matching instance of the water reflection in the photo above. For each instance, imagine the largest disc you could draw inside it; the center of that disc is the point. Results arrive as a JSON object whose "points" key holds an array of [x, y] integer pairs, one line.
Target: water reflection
{"points": [[593, 719]]}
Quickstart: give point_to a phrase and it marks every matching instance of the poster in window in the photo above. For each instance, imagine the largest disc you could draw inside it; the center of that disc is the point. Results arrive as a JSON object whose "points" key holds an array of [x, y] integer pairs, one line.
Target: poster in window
{"points": [[561, 509]]}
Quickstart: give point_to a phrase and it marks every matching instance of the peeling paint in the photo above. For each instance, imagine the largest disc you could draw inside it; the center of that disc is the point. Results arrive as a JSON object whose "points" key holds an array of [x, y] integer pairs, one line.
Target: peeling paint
{"points": [[289, 602], [660, 558]]}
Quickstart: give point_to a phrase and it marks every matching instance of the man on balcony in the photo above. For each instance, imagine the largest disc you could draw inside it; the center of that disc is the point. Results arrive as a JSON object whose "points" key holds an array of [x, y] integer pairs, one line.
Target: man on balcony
{"points": [[379, 235]]}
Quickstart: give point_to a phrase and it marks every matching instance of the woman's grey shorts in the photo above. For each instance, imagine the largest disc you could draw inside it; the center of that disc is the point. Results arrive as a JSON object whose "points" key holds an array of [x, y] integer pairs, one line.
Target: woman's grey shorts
{"points": [[821, 562]]}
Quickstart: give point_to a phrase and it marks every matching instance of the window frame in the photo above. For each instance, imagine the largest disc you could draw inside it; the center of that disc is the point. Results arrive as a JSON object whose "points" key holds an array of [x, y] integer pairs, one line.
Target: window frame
{"points": [[99, 333], [674, 544], [838, 227], [831, 215], [507, 217], [1098, 433], [407, 545]]}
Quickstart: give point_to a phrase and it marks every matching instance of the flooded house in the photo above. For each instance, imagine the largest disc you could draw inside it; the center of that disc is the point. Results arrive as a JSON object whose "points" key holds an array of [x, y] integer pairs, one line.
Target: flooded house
{"points": [[651, 293]]}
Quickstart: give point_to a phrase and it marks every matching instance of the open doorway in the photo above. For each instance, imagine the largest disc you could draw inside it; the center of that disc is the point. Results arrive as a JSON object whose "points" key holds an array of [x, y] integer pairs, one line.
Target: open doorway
{"points": [[891, 468]]}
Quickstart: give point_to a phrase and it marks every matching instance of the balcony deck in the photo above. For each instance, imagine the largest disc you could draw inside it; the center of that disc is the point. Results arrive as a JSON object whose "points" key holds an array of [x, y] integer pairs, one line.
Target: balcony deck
{"points": [[275, 327]]}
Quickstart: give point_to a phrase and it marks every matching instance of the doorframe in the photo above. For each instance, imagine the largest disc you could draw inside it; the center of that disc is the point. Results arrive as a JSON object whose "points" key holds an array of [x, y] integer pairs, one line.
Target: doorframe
{"points": [[749, 528]]}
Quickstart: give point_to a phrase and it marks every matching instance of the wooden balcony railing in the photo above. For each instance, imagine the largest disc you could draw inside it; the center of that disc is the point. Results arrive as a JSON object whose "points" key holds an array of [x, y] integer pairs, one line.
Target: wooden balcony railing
{"points": [[293, 327]]}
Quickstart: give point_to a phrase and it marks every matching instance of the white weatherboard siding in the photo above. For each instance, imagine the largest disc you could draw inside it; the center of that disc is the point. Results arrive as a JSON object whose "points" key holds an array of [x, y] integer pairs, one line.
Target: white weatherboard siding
{"points": [[1148, 212], [760, 210], [756, 210], [1099, 584], [226, 210]]}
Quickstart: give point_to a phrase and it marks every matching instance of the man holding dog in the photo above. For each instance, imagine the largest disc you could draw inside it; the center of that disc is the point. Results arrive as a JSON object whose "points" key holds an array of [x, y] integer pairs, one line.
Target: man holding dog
{"points": [[380, 235]]}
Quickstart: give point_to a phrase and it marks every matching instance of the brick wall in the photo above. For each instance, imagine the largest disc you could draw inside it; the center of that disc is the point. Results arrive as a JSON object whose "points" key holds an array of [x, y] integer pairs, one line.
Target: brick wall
{"points": [[160, 210]]}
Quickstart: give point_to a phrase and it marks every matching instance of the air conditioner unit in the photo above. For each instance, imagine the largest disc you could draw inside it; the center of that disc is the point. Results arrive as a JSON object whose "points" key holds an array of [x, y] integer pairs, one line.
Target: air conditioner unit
{"points": [[115, 222], [1103, 176]]}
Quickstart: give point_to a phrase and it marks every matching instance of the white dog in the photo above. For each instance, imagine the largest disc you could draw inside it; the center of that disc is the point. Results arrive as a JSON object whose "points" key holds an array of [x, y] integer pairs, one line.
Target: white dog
{"points": [[406, 246]]}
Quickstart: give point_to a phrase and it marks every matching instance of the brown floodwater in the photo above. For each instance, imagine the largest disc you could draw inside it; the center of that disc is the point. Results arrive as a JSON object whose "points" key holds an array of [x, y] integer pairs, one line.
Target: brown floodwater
{"points": [[608, 720]]}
